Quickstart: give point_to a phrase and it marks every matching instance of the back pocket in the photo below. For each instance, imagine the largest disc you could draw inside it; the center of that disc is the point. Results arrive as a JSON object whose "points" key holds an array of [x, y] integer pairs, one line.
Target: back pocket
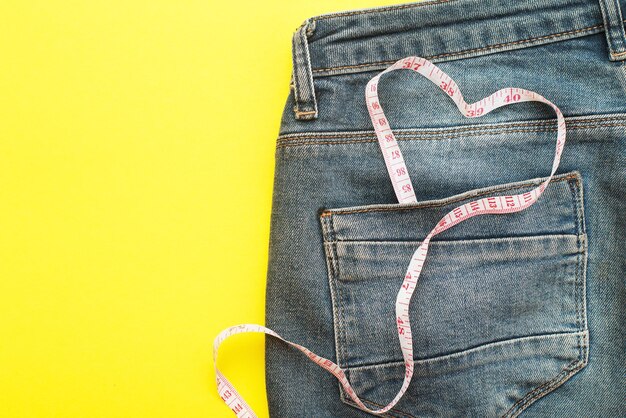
{"points": [[498, 315]]}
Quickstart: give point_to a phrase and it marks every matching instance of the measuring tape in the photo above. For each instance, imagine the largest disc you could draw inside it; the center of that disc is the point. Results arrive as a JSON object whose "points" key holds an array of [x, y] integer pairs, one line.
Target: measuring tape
{"points": [[405, 193]]}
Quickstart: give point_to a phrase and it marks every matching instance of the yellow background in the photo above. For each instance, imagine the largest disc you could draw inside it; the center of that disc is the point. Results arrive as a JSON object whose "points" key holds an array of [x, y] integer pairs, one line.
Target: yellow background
{"points": [[136, 171]]}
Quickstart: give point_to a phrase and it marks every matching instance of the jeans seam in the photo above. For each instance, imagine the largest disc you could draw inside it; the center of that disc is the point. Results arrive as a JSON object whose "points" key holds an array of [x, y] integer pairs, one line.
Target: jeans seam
{"points": [[534, 394], [573, 189], [579, 285], [552, 384], [296, 143], [327, 213], [582, 254], [331, 255], [342, 325], [464, 352], [454, 129]]}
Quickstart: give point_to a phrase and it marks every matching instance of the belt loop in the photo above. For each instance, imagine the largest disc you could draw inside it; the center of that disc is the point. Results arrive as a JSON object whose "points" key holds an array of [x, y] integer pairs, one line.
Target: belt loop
{"points": [[302, 76], [614, 29]]}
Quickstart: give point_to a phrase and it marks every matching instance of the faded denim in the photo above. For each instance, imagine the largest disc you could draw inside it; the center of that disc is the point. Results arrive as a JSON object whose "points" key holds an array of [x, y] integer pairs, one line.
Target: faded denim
{"points": [[513, 314]]}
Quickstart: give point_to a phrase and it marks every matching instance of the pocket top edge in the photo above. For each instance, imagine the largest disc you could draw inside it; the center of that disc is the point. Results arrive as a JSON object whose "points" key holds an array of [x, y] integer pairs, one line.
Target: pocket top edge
{"points": [[558, 211]]}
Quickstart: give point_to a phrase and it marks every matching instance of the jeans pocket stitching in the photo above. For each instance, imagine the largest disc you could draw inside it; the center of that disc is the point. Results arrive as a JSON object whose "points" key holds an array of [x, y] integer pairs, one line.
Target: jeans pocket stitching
{"points": [[581, 310], [453, 199], [540, 391], [330, 248], [339, 309], [581, 360]]}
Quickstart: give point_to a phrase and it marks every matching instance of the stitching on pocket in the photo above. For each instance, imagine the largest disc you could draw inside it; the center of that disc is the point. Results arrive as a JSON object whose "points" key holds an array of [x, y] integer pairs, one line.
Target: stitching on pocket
{"points": [[540, 391], [579, 296], [330, 247], [329, 213], [578, 258], [529, 398], [581, 262], [581, 312]]}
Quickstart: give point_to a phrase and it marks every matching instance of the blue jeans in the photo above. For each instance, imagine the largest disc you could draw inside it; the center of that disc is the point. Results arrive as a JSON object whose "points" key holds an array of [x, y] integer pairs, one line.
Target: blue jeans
{"points": [[517, 313]]}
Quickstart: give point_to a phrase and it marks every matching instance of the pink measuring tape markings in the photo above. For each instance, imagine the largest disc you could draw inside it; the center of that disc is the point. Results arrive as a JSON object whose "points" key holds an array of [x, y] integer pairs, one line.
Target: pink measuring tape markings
{"points": [[405, 193]]}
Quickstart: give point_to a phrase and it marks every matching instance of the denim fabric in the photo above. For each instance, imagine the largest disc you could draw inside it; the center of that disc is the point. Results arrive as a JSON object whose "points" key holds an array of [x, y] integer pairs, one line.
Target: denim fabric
{"points": [[513, 314]]}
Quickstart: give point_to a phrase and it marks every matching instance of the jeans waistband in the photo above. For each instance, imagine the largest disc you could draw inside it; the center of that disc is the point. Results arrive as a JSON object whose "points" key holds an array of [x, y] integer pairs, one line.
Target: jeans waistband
{"points": [[440, 30]]}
